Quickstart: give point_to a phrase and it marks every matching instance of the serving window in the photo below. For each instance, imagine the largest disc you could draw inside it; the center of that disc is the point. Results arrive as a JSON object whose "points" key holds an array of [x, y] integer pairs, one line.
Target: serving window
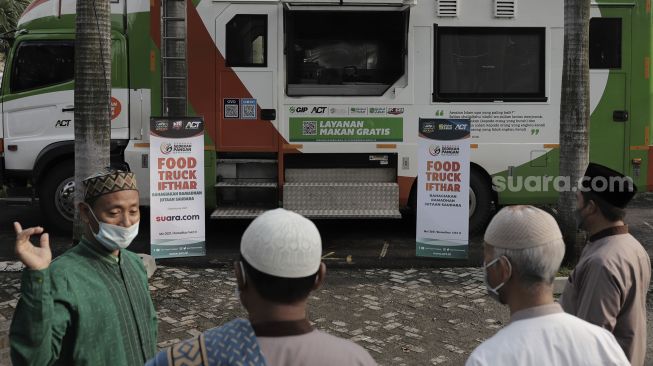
{"points": [[344, 53], [489, 64]]}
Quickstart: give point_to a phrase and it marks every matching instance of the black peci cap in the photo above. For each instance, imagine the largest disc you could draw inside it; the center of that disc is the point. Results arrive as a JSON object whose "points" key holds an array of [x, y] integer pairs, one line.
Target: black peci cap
{"points": [[608, 184]]}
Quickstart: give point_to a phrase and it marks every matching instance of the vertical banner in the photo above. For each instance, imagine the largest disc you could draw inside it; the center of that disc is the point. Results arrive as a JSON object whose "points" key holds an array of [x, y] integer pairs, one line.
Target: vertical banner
{"points": [[177, 207], [443, 188]]}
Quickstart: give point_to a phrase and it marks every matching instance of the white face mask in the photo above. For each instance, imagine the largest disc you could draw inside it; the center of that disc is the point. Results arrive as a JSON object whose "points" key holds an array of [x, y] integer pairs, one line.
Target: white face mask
{"points": [[494, 292], [114, 237]]}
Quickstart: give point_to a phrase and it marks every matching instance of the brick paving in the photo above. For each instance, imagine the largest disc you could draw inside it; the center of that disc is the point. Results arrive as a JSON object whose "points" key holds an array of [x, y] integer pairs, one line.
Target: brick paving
{"points": [[402, 317]]}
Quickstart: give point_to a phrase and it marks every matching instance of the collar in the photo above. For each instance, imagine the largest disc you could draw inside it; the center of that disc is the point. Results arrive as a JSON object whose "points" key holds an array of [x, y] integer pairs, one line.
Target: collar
{"points": [[282, 329], [615, 230], [98, 252], [536, 311]]}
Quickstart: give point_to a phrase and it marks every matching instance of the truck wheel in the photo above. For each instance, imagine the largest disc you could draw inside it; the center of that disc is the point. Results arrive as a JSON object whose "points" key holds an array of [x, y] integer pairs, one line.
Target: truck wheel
{"points": [[57, 196], [480, 202]]}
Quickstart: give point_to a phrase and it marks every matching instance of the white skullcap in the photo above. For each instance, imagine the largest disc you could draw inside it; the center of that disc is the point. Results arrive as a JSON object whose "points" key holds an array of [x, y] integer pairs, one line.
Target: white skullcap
{"points": [[522, 227], [282, 243]]}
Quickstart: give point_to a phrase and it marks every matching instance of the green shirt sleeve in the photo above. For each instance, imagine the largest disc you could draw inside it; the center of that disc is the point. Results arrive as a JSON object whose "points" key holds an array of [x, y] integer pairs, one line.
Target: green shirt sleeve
{"points": [[40, 321]]}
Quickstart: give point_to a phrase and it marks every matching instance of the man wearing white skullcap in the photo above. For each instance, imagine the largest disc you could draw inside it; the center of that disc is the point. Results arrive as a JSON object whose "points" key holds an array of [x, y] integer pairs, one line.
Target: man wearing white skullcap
{"points": [[280, 264], [522, 252]]}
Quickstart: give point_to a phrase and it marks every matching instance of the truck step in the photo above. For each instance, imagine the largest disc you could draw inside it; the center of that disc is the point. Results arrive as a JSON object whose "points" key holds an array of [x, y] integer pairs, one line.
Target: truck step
{"points": [[246, 184], [350, 214], [237, 212], [19, 201], [325, 175], [247, 161], [345, 197]]}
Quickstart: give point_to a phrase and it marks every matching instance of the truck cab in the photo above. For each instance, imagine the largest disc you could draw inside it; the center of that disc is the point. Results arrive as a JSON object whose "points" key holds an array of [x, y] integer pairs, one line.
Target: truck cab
{"points": [[37, 109]]}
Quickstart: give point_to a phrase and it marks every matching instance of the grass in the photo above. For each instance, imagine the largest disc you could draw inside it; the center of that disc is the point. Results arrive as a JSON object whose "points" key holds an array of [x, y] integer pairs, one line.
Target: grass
{"points": [[564, 271]]}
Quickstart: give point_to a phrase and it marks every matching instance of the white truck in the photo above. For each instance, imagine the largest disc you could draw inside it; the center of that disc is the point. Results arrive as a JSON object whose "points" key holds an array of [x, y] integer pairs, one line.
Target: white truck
{"points": [[313, 105]]}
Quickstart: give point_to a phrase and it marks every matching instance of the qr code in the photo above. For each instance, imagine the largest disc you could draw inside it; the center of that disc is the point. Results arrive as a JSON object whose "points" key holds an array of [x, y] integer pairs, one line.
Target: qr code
{"points": [[309, 128], [231, 111], [249, 112]]}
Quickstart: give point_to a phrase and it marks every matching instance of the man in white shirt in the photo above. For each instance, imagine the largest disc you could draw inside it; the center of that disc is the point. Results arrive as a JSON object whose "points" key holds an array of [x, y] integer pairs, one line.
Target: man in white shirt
{"points": [[522, 253]]}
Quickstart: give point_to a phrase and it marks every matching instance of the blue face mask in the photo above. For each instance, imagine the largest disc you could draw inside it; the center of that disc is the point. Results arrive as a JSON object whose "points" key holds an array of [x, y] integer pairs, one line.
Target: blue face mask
{"points": [[114, 237], [494, 291]]}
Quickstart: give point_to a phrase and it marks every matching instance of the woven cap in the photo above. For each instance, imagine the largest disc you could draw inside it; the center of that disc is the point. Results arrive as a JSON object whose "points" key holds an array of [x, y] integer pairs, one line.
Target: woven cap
{"points": [[522, 227], [282, 243], [108, 181]]}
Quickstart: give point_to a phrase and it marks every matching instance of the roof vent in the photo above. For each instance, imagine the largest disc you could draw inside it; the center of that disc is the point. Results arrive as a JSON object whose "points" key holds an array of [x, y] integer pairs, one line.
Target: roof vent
{"points": [[447, 8], [505, 8]]}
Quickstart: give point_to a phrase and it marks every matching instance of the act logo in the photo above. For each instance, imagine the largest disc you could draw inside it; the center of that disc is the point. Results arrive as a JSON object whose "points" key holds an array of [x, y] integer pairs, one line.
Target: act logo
{"points": [[62, 123], [319, 110], [193, 125]]}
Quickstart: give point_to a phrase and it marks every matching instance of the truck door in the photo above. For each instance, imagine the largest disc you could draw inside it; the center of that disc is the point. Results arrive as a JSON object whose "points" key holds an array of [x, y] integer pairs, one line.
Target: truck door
{"points": [[247, 38], [610, 74], [37, 98]]}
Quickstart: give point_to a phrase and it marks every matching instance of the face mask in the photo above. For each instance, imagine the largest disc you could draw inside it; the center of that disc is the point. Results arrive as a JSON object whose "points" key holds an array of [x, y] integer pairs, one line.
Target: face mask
{"points": [[114, 237], [494, 292]]}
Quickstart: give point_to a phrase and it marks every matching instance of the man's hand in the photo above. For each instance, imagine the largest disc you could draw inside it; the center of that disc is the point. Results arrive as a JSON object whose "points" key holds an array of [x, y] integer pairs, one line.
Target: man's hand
{"points": [[33, 257]]}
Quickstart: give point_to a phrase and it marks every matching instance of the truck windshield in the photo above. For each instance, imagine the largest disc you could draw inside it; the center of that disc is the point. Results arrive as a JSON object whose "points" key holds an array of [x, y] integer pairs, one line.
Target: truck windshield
{"points": [[344, 52], [39, 64]]}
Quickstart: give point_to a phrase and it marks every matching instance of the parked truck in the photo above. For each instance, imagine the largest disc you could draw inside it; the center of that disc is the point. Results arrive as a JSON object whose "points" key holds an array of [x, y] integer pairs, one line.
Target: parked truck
{"points": [[313, 105]]}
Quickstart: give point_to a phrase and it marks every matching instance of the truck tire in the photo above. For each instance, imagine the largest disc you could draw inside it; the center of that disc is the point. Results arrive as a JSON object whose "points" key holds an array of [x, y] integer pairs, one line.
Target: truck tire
{"points": [[480, 202], [57, 196]]}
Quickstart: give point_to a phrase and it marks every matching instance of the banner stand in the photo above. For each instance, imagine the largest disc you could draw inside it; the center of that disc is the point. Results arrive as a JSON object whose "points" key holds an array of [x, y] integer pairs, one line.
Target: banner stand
{"points": [[443, 188], [177, 214]]}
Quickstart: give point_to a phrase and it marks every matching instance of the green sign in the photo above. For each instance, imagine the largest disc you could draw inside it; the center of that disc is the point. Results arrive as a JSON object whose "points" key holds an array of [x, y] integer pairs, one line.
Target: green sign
{"points": [[343, 129]]}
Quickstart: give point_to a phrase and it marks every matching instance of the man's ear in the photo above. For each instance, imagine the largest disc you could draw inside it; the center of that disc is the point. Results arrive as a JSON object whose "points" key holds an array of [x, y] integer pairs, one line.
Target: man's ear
{"points": [[83, 210], [321, 275], [593, 207], [241, 277], [506, 268]]}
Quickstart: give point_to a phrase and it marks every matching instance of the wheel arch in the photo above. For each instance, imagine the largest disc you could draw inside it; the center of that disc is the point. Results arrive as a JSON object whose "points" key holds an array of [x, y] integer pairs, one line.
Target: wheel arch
{"points": [[50, 156]]}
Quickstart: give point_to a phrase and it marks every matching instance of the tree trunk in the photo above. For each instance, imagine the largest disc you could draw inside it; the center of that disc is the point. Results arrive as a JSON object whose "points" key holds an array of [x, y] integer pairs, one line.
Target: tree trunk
{"points": [[92, 94], [574, 116]]}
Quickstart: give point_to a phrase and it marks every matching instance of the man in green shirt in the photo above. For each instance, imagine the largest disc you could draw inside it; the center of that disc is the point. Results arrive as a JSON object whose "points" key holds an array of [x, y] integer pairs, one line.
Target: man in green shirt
{"points": [[91, 305]]}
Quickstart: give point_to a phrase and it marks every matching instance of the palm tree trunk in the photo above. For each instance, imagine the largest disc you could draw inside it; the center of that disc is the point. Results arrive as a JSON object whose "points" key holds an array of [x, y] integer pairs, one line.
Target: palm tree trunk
{"points": [[92, 94], [574, 115]]}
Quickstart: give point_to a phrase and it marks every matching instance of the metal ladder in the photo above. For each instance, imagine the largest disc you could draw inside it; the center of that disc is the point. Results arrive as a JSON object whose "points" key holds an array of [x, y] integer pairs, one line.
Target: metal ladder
{"points": [[173, 57]]}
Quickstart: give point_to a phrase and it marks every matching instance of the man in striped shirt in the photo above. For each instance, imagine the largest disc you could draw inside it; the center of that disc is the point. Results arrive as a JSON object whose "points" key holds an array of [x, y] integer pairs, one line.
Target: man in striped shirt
{"points": [[91, 305]]}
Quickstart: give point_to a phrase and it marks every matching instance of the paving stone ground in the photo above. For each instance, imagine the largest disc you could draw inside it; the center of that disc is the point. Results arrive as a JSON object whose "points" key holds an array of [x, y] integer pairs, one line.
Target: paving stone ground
{"points": [[402, 317]]}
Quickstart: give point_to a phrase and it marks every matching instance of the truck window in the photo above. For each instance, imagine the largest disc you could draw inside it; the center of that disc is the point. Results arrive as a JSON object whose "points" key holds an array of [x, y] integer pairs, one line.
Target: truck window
{"points": [[605, 43], [247, 40], [344, 52], [488, 64], [38, 64]]}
